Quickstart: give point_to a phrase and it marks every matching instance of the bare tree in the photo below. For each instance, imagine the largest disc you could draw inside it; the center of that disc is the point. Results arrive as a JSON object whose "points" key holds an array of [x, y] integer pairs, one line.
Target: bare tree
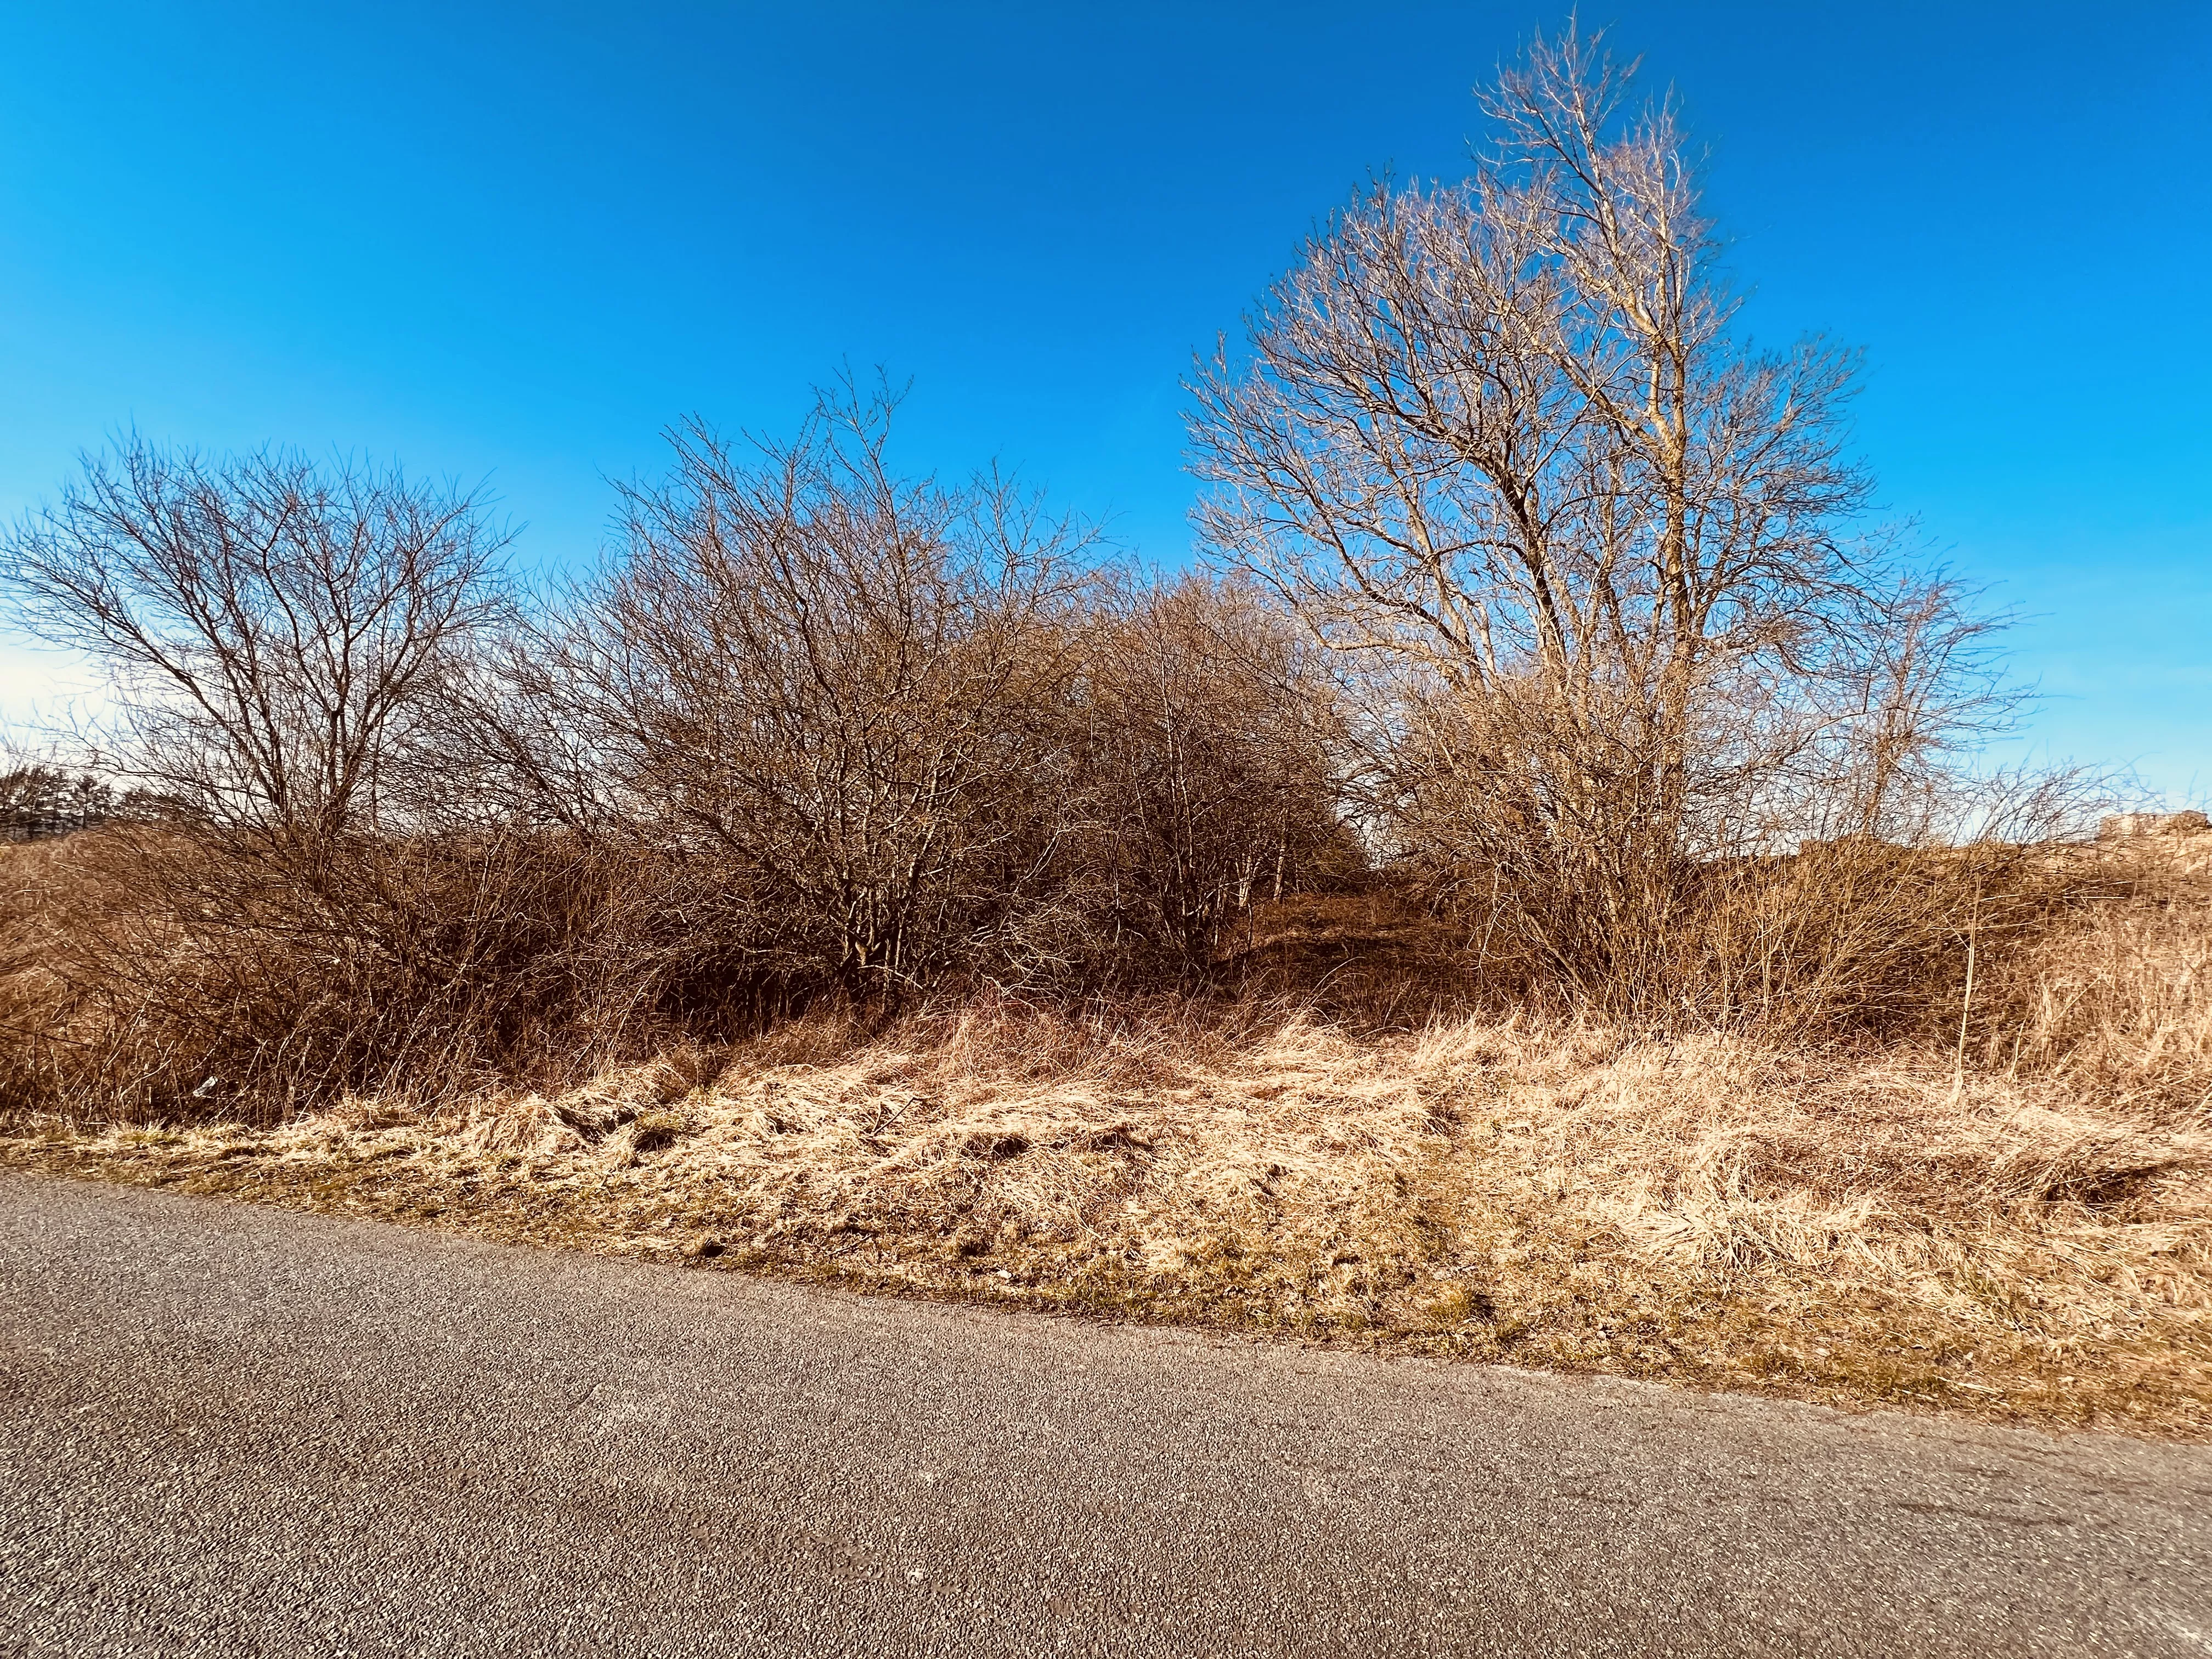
{"points": [[1584, 548], [273, 633]]}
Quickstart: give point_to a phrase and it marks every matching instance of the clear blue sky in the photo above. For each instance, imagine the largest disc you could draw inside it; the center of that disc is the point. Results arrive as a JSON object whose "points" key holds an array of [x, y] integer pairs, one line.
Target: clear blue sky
{"points": [[513, 243]]}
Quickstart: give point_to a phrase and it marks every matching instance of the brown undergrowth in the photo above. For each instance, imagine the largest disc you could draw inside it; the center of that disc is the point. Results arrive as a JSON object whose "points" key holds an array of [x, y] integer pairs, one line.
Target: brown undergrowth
{"points": [[2007, 1214], [1851, 1226]]}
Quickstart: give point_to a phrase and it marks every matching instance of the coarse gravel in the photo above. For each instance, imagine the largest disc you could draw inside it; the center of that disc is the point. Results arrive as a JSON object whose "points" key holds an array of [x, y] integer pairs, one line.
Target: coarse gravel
{"points": [[225, 1430]]}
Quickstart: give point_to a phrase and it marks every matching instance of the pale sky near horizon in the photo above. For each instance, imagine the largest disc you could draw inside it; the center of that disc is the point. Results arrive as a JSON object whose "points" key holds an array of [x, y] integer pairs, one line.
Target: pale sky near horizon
{"points": [[513, 244]]}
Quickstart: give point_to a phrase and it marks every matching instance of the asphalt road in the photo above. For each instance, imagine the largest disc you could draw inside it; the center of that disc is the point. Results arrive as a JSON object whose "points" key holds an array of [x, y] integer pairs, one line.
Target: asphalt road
{"points": [[225, 1430]]}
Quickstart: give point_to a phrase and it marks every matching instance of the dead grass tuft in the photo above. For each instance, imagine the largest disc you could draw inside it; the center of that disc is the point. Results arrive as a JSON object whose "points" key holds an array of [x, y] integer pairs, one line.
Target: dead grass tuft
{"points": [[2115, 1002]]}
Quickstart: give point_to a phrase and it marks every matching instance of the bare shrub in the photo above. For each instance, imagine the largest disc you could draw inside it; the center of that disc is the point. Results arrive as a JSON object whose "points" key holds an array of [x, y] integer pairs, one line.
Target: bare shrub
{"points": [[175, 978], [843, 692], [896, 733], [1214, 748]]}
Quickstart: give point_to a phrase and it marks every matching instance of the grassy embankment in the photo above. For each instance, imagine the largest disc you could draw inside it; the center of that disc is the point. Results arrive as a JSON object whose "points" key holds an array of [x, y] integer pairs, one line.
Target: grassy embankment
{"points": [[1859, 1224]]}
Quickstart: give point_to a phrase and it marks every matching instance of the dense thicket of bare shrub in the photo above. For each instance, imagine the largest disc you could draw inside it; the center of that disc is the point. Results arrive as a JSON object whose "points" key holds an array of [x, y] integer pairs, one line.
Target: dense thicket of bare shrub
{"points": [[1212, 749], [178, 973], [845, 693], [893, 733], [817, 729]]}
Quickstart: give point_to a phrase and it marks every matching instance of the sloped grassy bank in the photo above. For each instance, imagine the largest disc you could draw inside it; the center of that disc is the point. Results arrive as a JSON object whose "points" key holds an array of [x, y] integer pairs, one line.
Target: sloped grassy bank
{"points": [[1852, 1226]]}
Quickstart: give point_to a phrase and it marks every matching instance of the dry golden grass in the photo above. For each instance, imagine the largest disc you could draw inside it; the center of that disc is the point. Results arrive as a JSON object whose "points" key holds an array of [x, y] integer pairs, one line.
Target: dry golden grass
{"points": [[1839, 1225], [2115, 1002]]}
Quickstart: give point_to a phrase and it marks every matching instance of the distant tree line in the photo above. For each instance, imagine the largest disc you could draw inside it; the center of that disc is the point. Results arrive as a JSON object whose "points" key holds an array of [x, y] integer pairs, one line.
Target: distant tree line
{"points": [[38, 801]]}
